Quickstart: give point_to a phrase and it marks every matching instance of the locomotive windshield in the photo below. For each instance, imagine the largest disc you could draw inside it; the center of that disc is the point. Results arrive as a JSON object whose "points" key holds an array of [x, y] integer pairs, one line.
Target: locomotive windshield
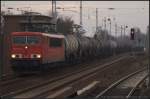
{"points": [[26, 40], [32, 40], [19, 40]]}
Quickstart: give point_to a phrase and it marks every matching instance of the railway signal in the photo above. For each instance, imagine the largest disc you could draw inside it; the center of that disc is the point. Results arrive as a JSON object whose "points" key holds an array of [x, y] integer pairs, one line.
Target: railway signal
{"points": [[132, 34]]}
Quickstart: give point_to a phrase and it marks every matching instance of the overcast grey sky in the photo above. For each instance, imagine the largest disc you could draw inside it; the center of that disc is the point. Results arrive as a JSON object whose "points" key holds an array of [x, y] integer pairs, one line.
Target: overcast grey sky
{"points": [[131, 13]]}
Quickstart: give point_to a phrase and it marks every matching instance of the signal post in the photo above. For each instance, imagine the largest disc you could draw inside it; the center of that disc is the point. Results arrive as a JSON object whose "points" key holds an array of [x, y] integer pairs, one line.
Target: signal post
{"points": [[132, 34]]}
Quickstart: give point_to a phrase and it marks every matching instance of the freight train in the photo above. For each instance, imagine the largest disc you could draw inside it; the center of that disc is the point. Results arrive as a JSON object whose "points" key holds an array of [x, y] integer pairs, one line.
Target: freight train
{"points": [[34, 50]]}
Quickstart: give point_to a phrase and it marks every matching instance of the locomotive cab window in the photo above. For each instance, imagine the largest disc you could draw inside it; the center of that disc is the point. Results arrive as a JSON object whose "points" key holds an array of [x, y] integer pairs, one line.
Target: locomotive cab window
{"points": [[55, 42], [32, 40], [19, 40]]}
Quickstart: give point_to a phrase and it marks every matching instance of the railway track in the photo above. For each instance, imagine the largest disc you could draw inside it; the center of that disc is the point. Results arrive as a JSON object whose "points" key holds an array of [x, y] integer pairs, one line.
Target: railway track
{"points": [[126, 86], [44, 87], [12, 85], [35, 82], [14, 80]]}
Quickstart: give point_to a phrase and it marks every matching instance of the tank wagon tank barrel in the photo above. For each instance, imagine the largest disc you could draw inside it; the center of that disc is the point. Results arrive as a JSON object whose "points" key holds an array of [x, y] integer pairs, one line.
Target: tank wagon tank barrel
{"points": [[71, 47]]}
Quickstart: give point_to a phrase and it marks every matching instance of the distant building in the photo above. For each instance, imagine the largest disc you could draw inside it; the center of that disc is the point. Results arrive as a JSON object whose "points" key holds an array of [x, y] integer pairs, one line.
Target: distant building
{"points": [[28, 22]]}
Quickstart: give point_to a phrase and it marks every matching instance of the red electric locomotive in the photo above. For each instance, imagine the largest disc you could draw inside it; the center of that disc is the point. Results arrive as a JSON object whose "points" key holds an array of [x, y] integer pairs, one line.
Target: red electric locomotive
{"points": [[31, 49]]}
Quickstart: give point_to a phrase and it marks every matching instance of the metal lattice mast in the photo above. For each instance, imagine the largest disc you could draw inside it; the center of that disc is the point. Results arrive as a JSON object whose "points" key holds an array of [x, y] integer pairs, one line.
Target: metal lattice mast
{"points": [[54, 13], [81, 13], [116, 30], [96, 18], [121, 31]]}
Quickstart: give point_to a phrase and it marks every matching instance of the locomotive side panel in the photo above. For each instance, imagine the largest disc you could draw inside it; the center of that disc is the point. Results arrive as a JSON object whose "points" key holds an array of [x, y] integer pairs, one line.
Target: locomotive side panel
{"points": [[53, 48], [45, 49]]}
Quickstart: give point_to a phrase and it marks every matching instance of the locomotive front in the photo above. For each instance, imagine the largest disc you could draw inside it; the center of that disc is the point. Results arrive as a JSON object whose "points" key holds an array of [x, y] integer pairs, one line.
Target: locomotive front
{"points": [[26, 50]]}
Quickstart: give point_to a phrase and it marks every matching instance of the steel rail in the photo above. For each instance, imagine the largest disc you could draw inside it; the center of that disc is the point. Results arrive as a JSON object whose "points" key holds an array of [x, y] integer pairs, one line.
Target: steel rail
{"points": [[14, 78], [134, 88], [80, 65], [118, 82], [63, 77]]}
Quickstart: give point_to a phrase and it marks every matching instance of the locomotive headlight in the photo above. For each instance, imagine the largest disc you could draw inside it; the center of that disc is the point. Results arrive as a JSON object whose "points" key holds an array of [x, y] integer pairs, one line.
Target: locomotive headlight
{"points": [[16, 56], [35, 55], [13, 56], [38, 56]]}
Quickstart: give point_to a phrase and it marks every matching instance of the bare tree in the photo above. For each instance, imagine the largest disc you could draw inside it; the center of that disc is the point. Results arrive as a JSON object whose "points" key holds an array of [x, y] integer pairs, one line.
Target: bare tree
{"points": [[65, 25]]}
